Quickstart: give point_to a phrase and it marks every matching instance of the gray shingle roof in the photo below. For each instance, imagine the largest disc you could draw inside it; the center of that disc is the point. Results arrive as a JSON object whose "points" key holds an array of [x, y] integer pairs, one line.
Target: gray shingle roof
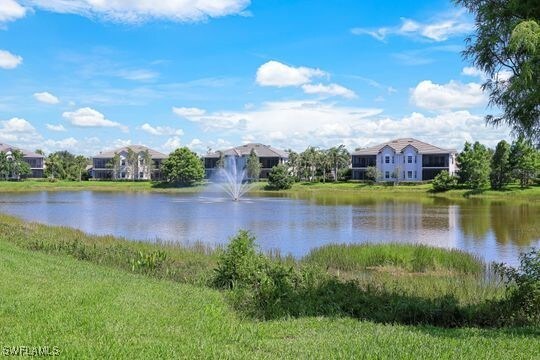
{"points": [[260, 149], [26, 153], [136, 148], [399, 144]]}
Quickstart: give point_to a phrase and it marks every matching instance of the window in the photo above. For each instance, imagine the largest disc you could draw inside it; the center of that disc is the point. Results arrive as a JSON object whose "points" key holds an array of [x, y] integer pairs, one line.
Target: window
{"points": [[415, 174], [141, 175], [409, 174], [387, 174], [415, 159], [123, 175], [409, 159], [392, 159], [387, 159], [404, 174], [123, 162]]}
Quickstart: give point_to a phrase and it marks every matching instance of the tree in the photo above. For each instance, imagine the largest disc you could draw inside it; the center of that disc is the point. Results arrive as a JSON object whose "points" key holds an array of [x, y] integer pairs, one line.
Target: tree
{"points": [[372, 174], [253, 166], [220, 164], [339, 158], [308, 160], [132, 164], [79, 165], [279, 178], [324, 164], [183, 166], [53, 166], [4, 166], [146, 159], [17, 166], [505, 46], [294, 163], [473, 164], [500, 174], [114, 165], [444, 181], [524, 161]]}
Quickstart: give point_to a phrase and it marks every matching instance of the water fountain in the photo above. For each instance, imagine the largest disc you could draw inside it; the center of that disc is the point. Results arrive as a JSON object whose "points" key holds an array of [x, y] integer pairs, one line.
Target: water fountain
{"points": [[232, 178]]}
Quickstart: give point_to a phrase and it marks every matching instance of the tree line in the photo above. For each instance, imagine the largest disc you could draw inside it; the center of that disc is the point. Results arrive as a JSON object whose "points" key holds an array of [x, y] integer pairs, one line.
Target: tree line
{"points": [[480, 168]]}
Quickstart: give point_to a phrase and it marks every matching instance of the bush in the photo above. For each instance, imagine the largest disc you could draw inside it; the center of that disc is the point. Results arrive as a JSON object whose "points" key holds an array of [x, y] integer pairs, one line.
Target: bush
{"points": [[444, 181], [279, 178], [521, 305]]}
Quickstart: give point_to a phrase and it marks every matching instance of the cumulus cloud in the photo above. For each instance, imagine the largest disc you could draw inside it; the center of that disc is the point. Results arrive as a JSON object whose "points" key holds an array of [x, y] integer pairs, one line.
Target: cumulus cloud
{"points": [[328, 90], [172, 143], [453, 95], [46, 97], [473, 72], [18, 131], [274, 73], [57, 127], [188, 111], [439, 29], [8, 60], [88, 117], [64, 144], [10, 10], [161, 130], [297, 124], [136, 11]]}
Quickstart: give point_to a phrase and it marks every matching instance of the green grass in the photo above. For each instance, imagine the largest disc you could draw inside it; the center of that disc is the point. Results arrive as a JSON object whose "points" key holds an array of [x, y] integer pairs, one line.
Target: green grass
{"points": [[511, 193], [93, 311], [407, 257]]}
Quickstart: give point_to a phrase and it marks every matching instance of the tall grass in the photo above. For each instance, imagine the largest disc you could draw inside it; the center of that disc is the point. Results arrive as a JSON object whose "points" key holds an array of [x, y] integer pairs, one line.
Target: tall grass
{"points": [[407, 257]]}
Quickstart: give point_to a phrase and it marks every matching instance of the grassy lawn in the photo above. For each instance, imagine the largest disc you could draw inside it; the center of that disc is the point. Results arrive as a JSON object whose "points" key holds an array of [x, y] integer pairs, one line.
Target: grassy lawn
{"points": [[513, 192], [92, 311]]}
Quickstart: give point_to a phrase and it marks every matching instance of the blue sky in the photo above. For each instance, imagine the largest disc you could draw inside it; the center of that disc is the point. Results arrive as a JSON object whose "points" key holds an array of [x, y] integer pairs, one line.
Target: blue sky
{"points": [[85, 75]]}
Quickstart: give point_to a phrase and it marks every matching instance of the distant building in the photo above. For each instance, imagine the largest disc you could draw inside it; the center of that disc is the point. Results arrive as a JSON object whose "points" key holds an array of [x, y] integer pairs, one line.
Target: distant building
{"points": [[268, 157], [103, 166], [34, 160], [404, 159]]}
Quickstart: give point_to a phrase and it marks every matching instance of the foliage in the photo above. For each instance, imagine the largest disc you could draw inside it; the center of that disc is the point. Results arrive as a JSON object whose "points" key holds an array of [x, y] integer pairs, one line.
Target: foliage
{"points": [[253, 166], [522, 302], [183, 166], [524, 161], [473, 164], [500, 175], [279, 178], [506, 42], [62, 165], [444, 181], [114, 165], [339, 158], [372, 173], [13, 166]]}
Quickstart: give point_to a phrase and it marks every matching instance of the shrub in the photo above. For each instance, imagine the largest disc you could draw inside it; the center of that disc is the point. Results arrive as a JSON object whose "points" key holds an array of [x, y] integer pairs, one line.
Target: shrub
{"points": [[279, 178], [444, 181], [521, 305]]}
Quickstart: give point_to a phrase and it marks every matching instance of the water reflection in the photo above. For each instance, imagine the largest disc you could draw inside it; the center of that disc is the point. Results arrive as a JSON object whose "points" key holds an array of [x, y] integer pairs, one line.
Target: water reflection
{"points": [[495, 231]]}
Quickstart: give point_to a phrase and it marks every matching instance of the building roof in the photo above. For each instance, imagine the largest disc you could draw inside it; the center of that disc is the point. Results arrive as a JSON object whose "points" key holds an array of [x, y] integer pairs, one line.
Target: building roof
{"points": [[26, 153], [154, 154], [400, 144], [260, 149]]}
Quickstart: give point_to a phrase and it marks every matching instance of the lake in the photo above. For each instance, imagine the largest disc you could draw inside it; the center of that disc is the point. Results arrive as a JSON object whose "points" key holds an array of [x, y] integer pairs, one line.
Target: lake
{"points": [[495, 231]]}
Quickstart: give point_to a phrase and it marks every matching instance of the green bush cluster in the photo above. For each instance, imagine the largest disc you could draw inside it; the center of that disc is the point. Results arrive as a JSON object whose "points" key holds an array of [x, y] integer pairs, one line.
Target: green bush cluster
{"points": [[279, 178], [268, 289], [444, 182]]}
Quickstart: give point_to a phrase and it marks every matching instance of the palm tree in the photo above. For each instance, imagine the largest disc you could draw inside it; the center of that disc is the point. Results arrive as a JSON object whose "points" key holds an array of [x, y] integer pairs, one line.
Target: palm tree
{"points": [[339, 157], [19, 167], [53, 166], [80, 163], [147, 161], [114, 165], [132, 162], [4, 166]]}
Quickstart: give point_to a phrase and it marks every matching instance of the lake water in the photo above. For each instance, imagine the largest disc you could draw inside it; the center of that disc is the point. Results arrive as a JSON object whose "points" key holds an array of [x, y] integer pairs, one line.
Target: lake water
{"points": [[494, 231]]}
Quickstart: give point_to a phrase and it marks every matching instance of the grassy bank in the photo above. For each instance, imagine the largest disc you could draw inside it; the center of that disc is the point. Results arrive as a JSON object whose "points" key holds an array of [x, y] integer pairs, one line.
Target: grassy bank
{"points": [[92, 311], [512, 193]]}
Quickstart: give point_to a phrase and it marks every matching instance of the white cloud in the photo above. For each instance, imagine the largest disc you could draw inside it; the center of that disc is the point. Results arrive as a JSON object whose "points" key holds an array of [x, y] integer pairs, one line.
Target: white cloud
{"points": [[136, 11], [8, 60], [297, 124], [161, 130], [328, 90], [138, 75], [17, 131], [46, 97], [172, 144], [58, 127], [439, 29], [88, 117], [64, 144], [453, 95], [472, 71], [274, 73], [188, 111], [10, 10]]}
